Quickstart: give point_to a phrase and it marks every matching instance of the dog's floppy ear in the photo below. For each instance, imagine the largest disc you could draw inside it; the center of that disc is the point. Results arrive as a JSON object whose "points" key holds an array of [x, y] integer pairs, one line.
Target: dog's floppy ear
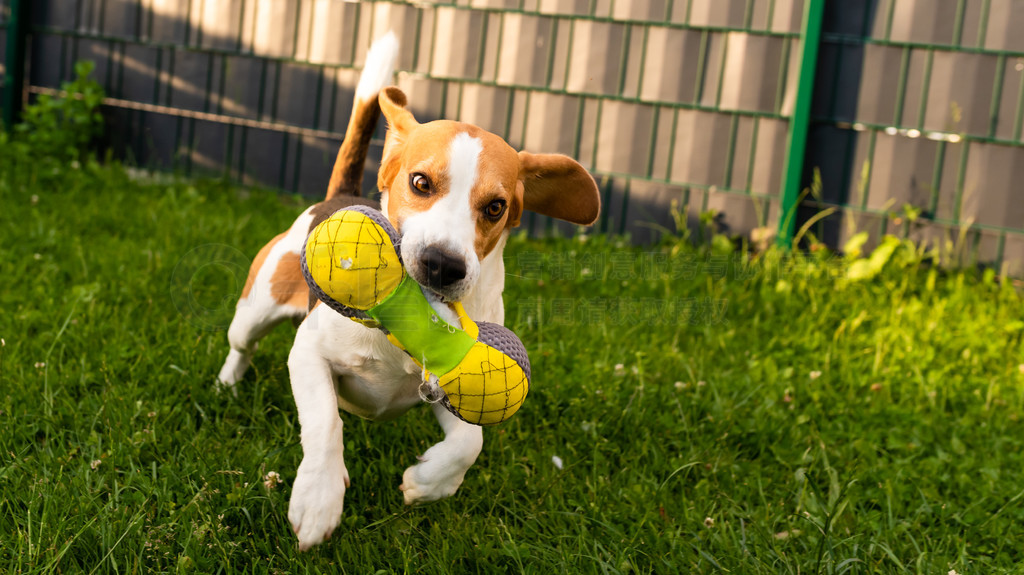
{"points": [[393, 103], [400, 123], [557, 186]]}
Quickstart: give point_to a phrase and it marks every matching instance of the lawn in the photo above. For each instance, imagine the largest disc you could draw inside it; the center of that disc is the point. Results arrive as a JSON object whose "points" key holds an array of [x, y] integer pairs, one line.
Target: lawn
{"points": [[692, 410]]}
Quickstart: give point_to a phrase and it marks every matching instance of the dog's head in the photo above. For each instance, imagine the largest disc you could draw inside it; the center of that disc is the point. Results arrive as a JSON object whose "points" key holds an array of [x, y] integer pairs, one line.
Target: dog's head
{"points": [[453, 191]]}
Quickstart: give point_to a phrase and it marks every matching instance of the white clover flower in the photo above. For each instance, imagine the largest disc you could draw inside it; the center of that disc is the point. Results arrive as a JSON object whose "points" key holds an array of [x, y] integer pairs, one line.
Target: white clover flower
{"points": [[271, 479]]}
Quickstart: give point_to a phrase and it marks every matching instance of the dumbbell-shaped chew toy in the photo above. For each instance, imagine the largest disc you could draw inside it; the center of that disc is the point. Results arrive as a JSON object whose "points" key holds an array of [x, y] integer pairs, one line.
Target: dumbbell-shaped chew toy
{"points": [[353, 263]]}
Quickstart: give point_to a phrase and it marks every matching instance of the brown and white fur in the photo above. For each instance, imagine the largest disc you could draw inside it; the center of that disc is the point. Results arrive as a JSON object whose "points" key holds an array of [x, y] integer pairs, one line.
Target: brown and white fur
{"points": [[453, 191]]}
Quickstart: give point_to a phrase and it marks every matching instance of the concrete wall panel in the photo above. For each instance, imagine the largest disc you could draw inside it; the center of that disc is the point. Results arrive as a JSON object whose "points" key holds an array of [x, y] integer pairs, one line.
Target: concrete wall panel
{"points": [[560, 60], [960, 92], [568, 7], [718, 13], [648, 10], [623, 141], [670, 67], [595, 60], [901, 173], [788, 16], [486, 106], [295, 101], [275, 29], [1013, 85], [752, 67], [242, 89], [648, 217], [769, 157], [525, 53], [1013, 256], [426, 96], [702, 146], [551, 123], [329, 39], [879, 89], [402, 20], [219, 23], [460, 55], [924, 21], [339, 88], [1005, 23], [993, 167]]}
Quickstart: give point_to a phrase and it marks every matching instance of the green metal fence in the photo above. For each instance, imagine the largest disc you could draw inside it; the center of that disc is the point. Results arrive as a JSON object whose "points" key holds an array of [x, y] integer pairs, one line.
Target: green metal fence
{"points": [[698, 103]]}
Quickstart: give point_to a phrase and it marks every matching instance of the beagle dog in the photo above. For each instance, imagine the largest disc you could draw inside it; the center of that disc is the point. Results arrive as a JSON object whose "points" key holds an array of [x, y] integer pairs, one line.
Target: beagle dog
{"points": [[453, 191]]}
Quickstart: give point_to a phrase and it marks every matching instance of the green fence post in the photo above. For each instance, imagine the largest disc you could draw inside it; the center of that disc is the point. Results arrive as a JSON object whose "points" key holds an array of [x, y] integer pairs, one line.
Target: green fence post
{"points": [[14, 70], [796, 144]]}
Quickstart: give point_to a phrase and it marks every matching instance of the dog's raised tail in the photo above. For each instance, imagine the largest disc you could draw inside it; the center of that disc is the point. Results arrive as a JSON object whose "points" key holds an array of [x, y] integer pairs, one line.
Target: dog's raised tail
{"points": [[347, 177]]}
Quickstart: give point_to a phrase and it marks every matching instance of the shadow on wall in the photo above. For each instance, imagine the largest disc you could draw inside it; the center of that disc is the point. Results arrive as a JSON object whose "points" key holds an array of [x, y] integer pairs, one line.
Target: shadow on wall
{"points": [[236, 64], [225, 58], [4, 15], [839, 76], [296, 63], [891, 117]]}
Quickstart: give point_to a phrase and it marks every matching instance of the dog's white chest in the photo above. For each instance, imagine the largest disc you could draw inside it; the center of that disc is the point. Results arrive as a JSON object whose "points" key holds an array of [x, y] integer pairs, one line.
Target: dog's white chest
{"points": [[374, 379], [371, 392]]}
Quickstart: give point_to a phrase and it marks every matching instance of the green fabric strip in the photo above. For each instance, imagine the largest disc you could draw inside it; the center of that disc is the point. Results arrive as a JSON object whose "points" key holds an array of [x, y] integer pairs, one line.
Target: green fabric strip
{"points": [[430, 340]]}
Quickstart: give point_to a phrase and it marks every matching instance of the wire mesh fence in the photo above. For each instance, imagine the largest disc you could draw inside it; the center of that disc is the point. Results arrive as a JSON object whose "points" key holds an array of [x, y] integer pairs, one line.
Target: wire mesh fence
{"points": [[916, 115]]}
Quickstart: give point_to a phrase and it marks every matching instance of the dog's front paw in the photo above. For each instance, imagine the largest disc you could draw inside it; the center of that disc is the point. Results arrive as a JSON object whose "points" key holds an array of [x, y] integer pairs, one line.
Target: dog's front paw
{"points": [[423, 482], [317, 500]]}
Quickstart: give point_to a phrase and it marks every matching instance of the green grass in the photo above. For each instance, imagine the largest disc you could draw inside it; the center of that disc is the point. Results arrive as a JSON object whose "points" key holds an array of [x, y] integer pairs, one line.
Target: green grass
{"points": [[713, 413]]}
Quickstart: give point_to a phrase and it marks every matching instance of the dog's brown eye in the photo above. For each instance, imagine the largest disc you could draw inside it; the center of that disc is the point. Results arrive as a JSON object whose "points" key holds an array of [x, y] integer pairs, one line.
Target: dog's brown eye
{"points": [[495, 209], [419, 184]]}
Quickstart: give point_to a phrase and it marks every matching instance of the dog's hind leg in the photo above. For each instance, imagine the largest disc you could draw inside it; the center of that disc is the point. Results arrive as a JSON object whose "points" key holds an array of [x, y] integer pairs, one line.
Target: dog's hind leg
{"points": [[443, 466], [251, 323], [275, 291]]}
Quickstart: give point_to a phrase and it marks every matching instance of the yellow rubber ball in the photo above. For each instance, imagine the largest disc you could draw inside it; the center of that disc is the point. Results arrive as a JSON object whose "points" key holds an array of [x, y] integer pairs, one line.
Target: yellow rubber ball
{"points": [[487, 387], [353, 260]]}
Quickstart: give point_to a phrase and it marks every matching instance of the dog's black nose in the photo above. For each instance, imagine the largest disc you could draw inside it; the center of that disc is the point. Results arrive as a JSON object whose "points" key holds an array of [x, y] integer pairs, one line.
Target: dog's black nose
{"points": [[443, 269]]}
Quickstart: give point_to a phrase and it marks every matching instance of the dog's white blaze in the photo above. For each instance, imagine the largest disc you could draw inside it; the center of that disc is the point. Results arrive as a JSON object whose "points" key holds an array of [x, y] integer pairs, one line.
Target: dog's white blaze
{"points": [[449, 222], [463, 160], [454, 209]]}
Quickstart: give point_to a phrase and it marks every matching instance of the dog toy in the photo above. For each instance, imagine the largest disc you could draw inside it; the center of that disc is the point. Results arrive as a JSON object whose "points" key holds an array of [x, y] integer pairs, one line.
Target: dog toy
{"points": [[353, 263]]}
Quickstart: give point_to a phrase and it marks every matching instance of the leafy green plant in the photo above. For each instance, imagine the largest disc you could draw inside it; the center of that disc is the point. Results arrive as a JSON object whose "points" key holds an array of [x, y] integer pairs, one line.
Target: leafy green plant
{"points": [[679, 213], [63, 127]]}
